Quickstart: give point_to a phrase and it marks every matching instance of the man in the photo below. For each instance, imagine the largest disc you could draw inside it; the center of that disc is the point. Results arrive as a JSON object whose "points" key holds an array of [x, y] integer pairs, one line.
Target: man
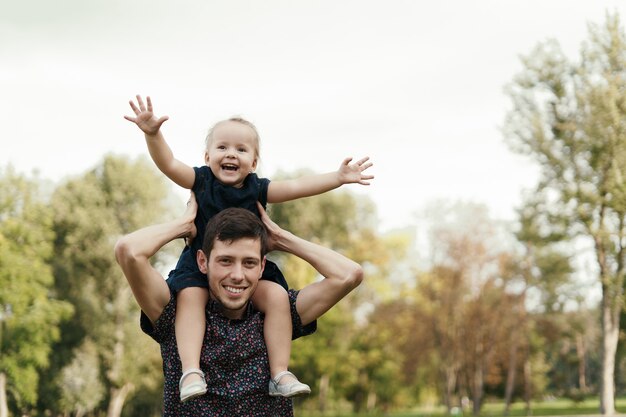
{"points": [[234, 357]]}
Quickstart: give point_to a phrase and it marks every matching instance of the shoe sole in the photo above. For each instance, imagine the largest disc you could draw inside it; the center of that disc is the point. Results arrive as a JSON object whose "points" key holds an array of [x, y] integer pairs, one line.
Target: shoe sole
{"points": [[192, 396], [291, 394]]}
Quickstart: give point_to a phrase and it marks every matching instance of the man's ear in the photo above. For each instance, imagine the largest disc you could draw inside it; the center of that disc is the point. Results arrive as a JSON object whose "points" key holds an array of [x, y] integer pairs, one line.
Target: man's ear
{"points": [[202, 261], [262, 266]]}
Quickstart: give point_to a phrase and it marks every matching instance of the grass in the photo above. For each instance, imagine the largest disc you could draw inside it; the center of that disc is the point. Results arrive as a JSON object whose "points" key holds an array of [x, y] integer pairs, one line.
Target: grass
{"points": [[559, 407]]}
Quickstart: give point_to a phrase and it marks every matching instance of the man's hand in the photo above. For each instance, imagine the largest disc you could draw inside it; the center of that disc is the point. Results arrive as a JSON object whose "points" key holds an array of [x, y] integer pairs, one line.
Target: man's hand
{"points": [[189, 216], [145, 118], [353, 173], [274, 232], [134, 250]]}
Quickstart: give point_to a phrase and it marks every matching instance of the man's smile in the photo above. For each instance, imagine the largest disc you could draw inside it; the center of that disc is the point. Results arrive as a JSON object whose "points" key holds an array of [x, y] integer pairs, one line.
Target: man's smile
{"points": [[234, 290]]}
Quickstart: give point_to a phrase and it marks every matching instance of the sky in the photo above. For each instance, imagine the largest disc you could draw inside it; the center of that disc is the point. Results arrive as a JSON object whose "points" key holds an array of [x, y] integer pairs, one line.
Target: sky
{"points": [[418, 86]]}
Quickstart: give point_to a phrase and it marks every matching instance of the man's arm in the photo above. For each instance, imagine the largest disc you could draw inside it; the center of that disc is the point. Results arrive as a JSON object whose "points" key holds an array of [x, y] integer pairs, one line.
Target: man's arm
{"points": [[281, 191], [341, 275], [160, 152], [133, 253]]}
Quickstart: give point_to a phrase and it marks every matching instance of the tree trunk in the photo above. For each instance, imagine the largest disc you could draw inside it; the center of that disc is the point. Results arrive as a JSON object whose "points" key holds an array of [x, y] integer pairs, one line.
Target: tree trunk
{"points": [[610, 334], [528, 385], [118, 397], [478, 383], [451, 376], [4, 409], [510, 376], [477, 395], [371, 401], [115, 372], [581, 352], [323, 396]]}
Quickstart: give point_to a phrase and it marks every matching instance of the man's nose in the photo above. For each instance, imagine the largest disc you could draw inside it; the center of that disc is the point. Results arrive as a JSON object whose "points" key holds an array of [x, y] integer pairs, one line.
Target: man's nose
{"points": [[237, 271]]}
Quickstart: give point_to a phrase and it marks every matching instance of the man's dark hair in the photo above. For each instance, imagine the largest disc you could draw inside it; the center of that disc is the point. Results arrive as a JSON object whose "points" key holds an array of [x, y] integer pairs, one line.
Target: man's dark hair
{"points": [[233, 224]]}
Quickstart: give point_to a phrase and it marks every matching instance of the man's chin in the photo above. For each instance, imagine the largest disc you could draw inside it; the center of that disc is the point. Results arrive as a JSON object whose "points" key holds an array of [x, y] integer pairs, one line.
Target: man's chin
{"points": [[233, 308]]}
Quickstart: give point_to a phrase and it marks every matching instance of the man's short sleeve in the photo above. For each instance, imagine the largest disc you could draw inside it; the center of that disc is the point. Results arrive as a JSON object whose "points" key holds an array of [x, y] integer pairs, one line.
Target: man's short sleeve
{"points": [[163, 326], [298, 329]]}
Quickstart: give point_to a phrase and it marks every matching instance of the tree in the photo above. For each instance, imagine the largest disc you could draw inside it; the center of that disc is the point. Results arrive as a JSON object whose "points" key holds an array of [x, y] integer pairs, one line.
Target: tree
{"points": [[29, 314], [543, 270], [90, 213], [81, 386], [463, 299], [571, 119], [346, 223]]}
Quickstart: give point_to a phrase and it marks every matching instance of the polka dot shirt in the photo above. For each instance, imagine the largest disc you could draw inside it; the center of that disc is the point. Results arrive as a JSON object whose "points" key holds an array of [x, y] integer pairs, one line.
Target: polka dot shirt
{"points": [[234, 360]]}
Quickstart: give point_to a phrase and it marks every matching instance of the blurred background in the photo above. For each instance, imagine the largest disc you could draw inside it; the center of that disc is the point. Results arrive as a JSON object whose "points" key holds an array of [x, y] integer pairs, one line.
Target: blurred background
{"points": [[492, 236]]}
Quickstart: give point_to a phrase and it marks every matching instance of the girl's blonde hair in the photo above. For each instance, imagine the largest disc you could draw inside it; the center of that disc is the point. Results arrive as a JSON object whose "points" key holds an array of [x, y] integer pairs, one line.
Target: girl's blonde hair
{"points": [[236, 119]]}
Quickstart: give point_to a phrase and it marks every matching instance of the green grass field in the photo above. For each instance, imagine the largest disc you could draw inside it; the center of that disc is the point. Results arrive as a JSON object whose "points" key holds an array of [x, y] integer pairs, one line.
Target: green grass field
{"points": [[560, 407]]}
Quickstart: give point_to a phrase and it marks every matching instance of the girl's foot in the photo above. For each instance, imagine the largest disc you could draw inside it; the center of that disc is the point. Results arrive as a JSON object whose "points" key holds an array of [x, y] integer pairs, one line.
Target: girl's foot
{"points": [[195, 386], [290, 387]]}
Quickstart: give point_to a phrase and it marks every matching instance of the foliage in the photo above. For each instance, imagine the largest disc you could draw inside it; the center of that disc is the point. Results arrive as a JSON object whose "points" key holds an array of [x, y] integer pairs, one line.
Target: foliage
{"points": [[347, 357], [29, 314], [571, 119], [404, 338], [90, 213], [81, 386]]}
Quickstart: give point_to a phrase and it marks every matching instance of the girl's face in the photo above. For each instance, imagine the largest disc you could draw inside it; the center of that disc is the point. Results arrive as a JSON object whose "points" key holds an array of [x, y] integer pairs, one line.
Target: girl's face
{"points": [[232, 152]]}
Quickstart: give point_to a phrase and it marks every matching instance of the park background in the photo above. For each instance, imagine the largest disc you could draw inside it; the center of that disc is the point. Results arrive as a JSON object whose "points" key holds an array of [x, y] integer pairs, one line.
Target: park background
{"points": [[454, 304]]}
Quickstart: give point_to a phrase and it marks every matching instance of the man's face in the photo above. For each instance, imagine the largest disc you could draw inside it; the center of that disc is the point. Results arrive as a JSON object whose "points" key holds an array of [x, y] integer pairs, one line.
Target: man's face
{"points": [[233, 270]]}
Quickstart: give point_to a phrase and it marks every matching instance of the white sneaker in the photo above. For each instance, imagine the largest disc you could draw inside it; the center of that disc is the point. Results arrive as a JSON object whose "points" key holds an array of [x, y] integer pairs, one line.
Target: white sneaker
{"points": [[287, 390], [193, 389]]}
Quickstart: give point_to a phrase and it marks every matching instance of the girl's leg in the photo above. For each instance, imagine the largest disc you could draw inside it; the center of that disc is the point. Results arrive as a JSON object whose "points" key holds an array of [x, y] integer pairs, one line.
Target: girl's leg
{"points": [[272, 299], [190, 326]]}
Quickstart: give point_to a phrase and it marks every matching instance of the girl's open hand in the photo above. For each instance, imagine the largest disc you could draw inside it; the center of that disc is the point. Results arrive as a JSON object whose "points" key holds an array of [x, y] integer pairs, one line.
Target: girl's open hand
{"points": [[144, 117], [353, 173]]}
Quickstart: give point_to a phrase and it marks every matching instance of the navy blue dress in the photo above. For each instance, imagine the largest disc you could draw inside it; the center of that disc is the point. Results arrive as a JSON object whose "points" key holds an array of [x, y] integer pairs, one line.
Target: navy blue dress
{"points": [[213, 197]]}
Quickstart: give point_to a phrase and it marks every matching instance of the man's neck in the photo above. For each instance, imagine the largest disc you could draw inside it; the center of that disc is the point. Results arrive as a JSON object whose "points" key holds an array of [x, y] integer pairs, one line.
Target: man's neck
{"points": [[229, 313]]}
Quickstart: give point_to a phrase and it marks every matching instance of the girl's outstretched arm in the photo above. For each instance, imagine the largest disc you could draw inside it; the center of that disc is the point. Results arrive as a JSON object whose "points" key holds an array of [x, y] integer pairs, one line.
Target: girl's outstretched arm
{"points": [[348, 173], [341, 274], [160, 152]]}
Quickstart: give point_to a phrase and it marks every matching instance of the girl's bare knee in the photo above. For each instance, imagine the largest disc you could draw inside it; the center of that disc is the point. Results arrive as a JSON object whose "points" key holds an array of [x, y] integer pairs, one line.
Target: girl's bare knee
{"points": [[268, 295]]}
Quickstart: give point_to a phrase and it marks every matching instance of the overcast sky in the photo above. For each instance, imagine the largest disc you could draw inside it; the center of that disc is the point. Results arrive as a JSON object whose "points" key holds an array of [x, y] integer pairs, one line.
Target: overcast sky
{"points": [[415, 85]]}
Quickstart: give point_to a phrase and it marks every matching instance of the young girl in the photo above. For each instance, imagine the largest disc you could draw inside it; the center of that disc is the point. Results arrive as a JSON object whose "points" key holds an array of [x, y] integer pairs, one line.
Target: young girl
{"points": [[228, 180]]}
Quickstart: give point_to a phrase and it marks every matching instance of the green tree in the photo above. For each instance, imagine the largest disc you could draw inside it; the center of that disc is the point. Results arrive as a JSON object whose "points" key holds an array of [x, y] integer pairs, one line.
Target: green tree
{"points": [[542, 269], [443, 291], [571, 118], [29, 314], [347, 223], [374, 383], [405, 333], [90, 213], [81, 387]]}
